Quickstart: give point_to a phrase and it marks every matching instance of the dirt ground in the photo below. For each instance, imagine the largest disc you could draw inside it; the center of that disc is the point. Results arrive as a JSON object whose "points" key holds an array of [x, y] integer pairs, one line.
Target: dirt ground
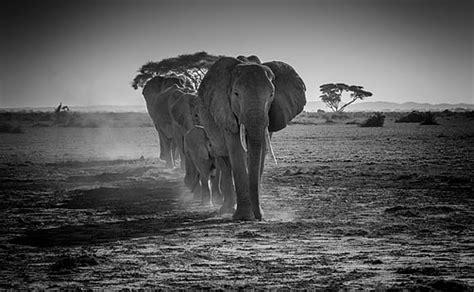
{"points": [[346, 207]]}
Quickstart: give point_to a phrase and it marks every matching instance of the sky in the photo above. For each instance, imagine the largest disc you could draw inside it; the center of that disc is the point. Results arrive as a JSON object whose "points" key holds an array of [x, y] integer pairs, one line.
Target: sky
{"points": [[87, 52]]}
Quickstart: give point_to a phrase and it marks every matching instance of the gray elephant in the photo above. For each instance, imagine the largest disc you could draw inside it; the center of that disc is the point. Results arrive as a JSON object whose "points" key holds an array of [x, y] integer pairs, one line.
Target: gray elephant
{"points": [[159, 93], [184, 115], [193, 145], [243, 102], [199, 154]]}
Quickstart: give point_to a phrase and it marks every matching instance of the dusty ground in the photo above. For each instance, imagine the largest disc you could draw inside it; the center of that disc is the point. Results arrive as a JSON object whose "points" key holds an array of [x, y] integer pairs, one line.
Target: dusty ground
{"points": [[346, 207]]}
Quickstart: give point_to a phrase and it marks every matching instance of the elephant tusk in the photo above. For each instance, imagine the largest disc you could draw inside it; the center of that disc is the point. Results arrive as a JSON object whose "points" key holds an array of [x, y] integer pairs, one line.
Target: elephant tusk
{"points": [[269, 143], [243, 141]]}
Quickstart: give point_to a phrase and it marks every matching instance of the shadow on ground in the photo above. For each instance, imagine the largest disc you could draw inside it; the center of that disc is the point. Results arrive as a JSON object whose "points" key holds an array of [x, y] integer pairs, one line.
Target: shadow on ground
{"points": [[110, 232], [140, 209]]}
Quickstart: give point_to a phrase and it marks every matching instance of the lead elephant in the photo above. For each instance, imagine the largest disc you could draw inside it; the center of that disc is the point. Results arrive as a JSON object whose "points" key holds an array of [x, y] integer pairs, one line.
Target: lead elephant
{"points": [[244, 101], [159, 93]]}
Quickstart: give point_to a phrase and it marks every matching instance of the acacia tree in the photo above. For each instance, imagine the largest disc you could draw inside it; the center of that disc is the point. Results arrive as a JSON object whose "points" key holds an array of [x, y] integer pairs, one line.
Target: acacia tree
{"points": [[193, 66], [332, 94]]}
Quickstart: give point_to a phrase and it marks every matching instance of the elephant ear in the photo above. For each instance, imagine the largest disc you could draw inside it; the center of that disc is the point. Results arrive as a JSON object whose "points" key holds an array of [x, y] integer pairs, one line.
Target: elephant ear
{"points": [[289, 98], [214, 93]]}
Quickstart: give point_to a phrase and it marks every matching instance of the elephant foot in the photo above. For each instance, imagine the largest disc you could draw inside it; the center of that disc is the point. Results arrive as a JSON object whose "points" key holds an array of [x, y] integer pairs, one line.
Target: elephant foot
{"points": [[258, 213], [206, 203], [243, 214], [226, 210], [217, 200]]}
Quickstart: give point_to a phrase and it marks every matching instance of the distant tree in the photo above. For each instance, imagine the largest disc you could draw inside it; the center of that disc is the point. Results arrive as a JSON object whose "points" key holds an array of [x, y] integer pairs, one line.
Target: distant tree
{"points": [[58, 108], [193, 66], [332, 95], [60, 113], [61, 108]]}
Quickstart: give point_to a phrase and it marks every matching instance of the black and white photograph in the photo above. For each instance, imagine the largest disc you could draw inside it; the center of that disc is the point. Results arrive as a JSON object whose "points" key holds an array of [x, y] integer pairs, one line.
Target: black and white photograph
{"points": [[237, 145]]}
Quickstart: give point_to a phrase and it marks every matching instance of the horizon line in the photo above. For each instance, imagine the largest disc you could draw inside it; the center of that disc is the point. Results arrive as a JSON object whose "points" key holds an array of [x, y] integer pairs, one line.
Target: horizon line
{"points": [[143, 105]]}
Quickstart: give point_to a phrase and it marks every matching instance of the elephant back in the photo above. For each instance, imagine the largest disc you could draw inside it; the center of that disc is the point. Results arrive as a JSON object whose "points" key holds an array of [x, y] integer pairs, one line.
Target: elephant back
{"points": [[159, 84]]}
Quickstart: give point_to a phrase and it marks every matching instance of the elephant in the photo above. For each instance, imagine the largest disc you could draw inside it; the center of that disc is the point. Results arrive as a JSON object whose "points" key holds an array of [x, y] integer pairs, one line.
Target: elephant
{"points": [[199, 155], [243, 101], [159, 93], [199, 163], [184, 115]]}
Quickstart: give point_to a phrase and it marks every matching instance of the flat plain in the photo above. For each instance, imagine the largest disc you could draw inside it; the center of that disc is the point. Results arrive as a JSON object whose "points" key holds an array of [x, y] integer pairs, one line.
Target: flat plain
{"points": [[345, 207]]}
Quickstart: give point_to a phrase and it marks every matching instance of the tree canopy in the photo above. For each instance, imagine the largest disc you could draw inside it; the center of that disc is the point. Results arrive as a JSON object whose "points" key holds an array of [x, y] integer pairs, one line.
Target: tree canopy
{"points": [[332, 95], [193, 66]]}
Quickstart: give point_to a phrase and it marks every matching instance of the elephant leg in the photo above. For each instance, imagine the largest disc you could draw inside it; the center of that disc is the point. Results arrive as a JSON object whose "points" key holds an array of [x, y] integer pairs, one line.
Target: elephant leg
{"points": [[182, 161], [238, 160], [205, 192], [191, 176], [169, 155], [226, 185], [192, 181], [179, 150], [197, 189], [215, 187], [165, 148], [205, 167], [162, 139], [182, 155], [173, 150]]}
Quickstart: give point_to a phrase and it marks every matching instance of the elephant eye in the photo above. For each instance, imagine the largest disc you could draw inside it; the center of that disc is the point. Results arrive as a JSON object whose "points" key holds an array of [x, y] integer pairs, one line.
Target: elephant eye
{"points": [[236, 93]]}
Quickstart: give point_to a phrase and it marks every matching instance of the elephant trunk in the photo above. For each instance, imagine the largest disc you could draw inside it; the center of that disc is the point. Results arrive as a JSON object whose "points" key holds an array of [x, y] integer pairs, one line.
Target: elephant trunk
{"points": [[257, 122]]}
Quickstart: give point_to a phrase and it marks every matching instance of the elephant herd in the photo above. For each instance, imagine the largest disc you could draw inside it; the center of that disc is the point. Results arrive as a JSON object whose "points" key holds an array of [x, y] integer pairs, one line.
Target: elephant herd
{"points": [[221, 132]]}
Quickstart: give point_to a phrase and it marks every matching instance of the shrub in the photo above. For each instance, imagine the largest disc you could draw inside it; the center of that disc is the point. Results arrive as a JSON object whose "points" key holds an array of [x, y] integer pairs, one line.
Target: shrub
{"points": [[375, 120], [413, 117], [429, 119], [448, 113], [328, 120]]}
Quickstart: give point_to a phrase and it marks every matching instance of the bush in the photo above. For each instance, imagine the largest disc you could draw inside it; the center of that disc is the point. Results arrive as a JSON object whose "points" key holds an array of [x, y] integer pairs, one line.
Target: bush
{"points": [[328, 120], [429, 119], [413, 117], [8, 128], [375, 120], [339, 116], [448, 113], [426, 118]]}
